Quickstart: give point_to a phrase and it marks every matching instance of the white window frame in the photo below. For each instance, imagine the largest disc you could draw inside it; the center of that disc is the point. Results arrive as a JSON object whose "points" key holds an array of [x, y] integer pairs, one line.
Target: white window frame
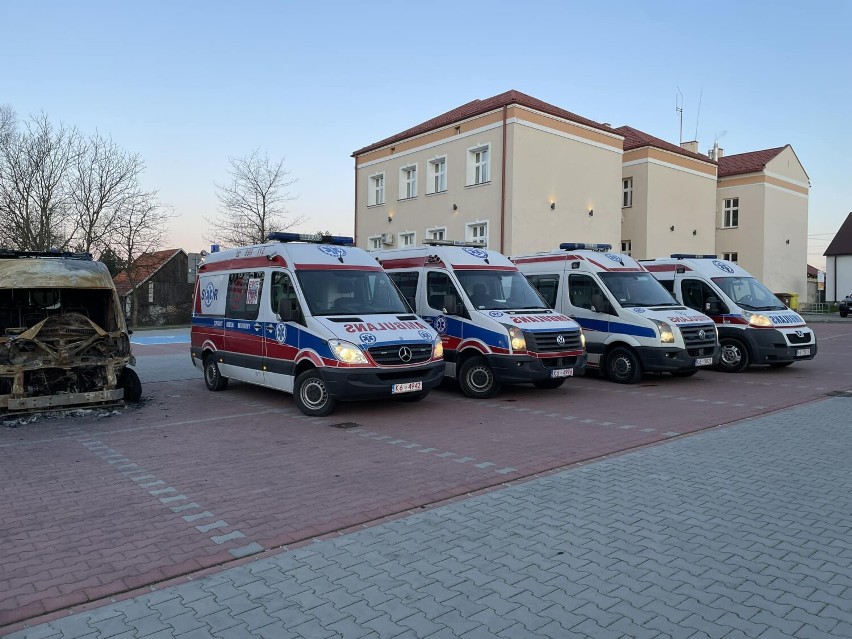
{"points": [[731, 256], [470, 233], [405, 235], [731, 206], [151, 292], [626, 192], [374, 243], [437, 179], [479, 165], [435, 231], [626, 246], [376, 189], [408, 182]]}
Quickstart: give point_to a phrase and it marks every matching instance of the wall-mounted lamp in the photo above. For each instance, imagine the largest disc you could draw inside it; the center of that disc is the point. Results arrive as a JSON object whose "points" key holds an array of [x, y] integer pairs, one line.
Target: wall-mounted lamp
{"points": [[455, 207], [694, 232], [788, 241], [390, 218], [591, 212], [671, 228], [552, 206]]}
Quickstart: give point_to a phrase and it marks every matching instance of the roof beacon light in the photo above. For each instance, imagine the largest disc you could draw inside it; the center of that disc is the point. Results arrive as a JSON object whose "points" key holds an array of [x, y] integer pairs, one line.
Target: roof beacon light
{"points": [[690, 256], [477, 244], [584, 246], [314, 238]]}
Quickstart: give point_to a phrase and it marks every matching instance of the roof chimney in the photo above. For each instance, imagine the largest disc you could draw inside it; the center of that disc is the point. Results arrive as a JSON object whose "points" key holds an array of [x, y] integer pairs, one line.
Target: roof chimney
{"points": [[691, 146], [715, 153]]}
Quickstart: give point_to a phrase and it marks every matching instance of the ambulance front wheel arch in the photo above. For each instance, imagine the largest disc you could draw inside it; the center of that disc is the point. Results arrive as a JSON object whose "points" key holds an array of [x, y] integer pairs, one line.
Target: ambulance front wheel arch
{"points": [[622, 365], [476, 378], [213, 377], [734, 356], [311, 394]]}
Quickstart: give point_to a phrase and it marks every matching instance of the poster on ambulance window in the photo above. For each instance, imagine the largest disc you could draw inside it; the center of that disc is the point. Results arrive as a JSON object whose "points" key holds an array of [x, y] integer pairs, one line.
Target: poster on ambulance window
{"points": [[253, 292]]}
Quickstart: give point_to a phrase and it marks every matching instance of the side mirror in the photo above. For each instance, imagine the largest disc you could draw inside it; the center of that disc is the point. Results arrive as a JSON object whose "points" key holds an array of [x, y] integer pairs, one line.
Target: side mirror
{"points": [[712, 306], [451, 305]]}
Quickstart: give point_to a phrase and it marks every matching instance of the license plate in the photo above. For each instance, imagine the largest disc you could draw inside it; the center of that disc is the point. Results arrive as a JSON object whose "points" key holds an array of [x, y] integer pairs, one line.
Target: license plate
{"points": [[802, 352], [410, 387], [562, 372], [704, 361]]}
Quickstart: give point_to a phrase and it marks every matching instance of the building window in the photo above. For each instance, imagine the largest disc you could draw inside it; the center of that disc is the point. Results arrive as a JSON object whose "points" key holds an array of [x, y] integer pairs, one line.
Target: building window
{"points": [[732, 213], [478, 232], [627, 192], [408, 182], [374, 242], [150, 292], [407, 239], [438, 175], [478, 164], [438, 233], [626, 246], [376, 191], [731, 257]]}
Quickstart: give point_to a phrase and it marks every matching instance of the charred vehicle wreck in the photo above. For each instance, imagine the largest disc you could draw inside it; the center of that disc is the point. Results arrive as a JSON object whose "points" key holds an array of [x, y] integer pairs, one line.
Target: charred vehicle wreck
{"points": [[63, 338]]}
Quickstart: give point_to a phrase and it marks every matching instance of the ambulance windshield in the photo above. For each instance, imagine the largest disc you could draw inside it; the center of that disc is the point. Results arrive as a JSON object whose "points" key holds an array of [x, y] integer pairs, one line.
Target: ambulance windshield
{"points": [[493, 290], [748, 293], [344, 292], [637, 289]]}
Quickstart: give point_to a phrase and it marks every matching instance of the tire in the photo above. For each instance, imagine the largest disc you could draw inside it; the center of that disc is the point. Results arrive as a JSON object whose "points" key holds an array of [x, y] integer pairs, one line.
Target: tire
{"points": [[622, 366], [734, 357], [311, 394], [410, 398], [129, 381], [780, 364], [549, 383], [844, 313], [684, 373], [477, 379], [212, 377]]}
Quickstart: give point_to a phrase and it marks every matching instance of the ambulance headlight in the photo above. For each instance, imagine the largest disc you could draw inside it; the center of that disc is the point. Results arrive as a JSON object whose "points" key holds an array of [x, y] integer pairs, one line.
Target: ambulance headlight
{"points": [[582, 338], [666, 332], [438, 348], [516, 339], [347, 352], [756, 319]]}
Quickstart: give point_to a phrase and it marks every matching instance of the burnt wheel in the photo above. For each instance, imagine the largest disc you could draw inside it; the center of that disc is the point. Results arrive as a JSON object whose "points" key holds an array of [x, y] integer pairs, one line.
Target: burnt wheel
{"points": [[129, 381], [212, 377]]}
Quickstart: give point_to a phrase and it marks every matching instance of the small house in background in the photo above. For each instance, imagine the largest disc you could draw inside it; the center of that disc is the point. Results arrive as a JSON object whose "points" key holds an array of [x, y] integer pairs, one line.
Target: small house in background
{"points": [[164, 282], [816, 285], [838, 263]]}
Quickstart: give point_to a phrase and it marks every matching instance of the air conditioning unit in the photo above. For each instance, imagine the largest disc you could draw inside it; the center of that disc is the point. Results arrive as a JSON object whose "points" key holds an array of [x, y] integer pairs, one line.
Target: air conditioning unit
{"points": [[387, 239]]}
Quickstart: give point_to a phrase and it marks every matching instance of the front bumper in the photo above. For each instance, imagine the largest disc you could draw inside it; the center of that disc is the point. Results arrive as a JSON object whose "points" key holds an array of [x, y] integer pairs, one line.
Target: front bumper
{"points": [[769, 346], [349, 384], [519, 369], [670, 359]]}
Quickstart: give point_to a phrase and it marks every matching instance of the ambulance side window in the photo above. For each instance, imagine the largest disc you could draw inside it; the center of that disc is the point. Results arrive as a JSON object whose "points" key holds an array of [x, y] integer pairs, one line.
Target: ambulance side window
{"points": [[696, 293], [282, 289], [584, 292], [547, 286], [438, 286], [244, 291], [407, 285]]}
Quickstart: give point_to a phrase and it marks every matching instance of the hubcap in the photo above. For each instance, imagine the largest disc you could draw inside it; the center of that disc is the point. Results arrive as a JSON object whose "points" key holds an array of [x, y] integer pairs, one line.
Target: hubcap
{"points": [[313, 393], [211, 374], [479, 378], [731, 355], [622, 366]]}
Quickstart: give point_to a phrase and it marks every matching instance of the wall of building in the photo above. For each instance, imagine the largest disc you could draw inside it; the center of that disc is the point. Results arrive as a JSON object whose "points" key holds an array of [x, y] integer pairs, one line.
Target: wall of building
{"points": [[747, 240], [785, 265], [634, 219], [838, 277]]}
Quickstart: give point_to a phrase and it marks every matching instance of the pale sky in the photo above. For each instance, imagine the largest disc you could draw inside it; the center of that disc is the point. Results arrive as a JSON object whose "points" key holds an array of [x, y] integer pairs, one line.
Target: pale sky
{"points": [[188, 84]]}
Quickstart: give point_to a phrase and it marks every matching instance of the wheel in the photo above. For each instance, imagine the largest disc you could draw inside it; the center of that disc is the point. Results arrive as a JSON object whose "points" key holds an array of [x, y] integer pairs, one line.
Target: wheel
{"points": [[844, 313], [622, 366], [129, 381], [684, 373], [734, 357], [212, 377], [476, 379], [780, 364], [412, 397], [549, 383], [311, 394]]}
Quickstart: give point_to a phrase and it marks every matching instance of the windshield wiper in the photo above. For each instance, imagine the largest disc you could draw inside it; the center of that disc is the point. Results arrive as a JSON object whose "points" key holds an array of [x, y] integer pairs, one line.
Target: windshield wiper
{"points": [[769, 308]]}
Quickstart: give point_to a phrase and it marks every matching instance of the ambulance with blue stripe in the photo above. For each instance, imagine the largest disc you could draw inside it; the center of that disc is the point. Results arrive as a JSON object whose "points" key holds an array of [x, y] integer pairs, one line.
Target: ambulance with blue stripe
{"points": [[313, 316], [632, 324], [496, 329], [755, 327]]}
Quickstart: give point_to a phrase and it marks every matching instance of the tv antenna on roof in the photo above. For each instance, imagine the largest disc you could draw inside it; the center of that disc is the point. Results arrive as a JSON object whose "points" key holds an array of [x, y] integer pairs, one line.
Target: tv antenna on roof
{"points": [[679, 109], [700, 95]]}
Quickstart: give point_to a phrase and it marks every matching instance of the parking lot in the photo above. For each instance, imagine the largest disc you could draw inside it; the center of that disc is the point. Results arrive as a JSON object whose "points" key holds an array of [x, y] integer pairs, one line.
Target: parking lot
{"points": [[104, 503]]}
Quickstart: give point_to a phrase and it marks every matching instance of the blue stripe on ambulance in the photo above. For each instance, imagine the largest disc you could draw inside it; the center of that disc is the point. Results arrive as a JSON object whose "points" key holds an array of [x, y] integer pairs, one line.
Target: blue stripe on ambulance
{"points": [[465, 330], [615, 327]]}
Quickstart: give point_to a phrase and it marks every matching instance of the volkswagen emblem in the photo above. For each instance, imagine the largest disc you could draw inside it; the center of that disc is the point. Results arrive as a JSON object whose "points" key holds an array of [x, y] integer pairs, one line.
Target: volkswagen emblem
{"points": [[702, 334], [560, 339], [405, 354]]}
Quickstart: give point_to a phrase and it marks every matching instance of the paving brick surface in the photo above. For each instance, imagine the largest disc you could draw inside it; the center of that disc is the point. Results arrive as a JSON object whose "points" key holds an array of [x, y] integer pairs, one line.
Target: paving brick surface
{"points": [[741, 531]]}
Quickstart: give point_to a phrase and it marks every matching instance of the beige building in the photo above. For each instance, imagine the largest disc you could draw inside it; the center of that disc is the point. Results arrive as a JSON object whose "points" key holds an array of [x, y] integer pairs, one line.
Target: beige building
{"points": [[762, 217], [516, 172]]}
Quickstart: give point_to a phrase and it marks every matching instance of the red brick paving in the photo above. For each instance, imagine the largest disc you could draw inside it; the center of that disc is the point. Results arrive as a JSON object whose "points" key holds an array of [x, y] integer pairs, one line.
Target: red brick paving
{"points": [[75, 529]]}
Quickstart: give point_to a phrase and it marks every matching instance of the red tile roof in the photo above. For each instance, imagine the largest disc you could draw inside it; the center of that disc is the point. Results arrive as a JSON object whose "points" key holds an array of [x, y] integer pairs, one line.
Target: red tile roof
{"points": [[842, 242], [144, 267], [813, 271], [750, 162], [479, 107], [636, 139]]}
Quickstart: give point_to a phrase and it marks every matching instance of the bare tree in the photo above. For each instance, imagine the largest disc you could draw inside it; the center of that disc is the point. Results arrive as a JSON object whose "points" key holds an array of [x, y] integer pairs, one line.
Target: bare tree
{"points": [[102, 179], [7, 122], [252, 204]]}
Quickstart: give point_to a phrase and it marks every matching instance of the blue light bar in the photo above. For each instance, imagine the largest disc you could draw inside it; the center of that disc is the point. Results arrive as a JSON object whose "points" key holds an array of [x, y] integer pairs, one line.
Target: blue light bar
{"points": [[584, 246], [314, 238], [689, 256]]}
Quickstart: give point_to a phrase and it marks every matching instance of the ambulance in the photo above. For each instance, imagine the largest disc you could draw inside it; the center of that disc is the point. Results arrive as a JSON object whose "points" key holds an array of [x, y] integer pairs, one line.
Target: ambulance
{"points": [[313, 316], [632, 324], [495, 327], [754, 326]]}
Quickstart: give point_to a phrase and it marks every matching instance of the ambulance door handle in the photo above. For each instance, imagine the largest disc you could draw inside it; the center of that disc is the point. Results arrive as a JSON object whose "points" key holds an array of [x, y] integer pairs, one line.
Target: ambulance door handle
{"points": [[270, 328], [257, 326]]}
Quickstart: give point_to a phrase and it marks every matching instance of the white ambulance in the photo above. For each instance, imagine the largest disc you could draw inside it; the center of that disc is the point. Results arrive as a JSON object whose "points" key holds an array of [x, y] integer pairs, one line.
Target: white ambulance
{"points": [[632, 324], [754, 326], [496, 328], [313, 316]]}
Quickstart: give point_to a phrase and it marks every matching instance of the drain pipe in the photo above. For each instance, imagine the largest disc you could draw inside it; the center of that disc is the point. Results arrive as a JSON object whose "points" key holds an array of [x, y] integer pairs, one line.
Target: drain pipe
{"points": [[503, 186]]}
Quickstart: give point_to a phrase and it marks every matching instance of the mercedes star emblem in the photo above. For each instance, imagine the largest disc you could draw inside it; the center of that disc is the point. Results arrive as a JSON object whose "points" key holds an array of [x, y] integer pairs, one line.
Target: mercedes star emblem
{"points": [[405, 354]]}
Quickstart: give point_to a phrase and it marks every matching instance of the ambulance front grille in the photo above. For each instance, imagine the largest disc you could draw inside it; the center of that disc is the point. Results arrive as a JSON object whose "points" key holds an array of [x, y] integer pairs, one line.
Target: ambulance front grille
{"points": [[692, 335], [549, 342], [795, 339], [397, 355]]}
